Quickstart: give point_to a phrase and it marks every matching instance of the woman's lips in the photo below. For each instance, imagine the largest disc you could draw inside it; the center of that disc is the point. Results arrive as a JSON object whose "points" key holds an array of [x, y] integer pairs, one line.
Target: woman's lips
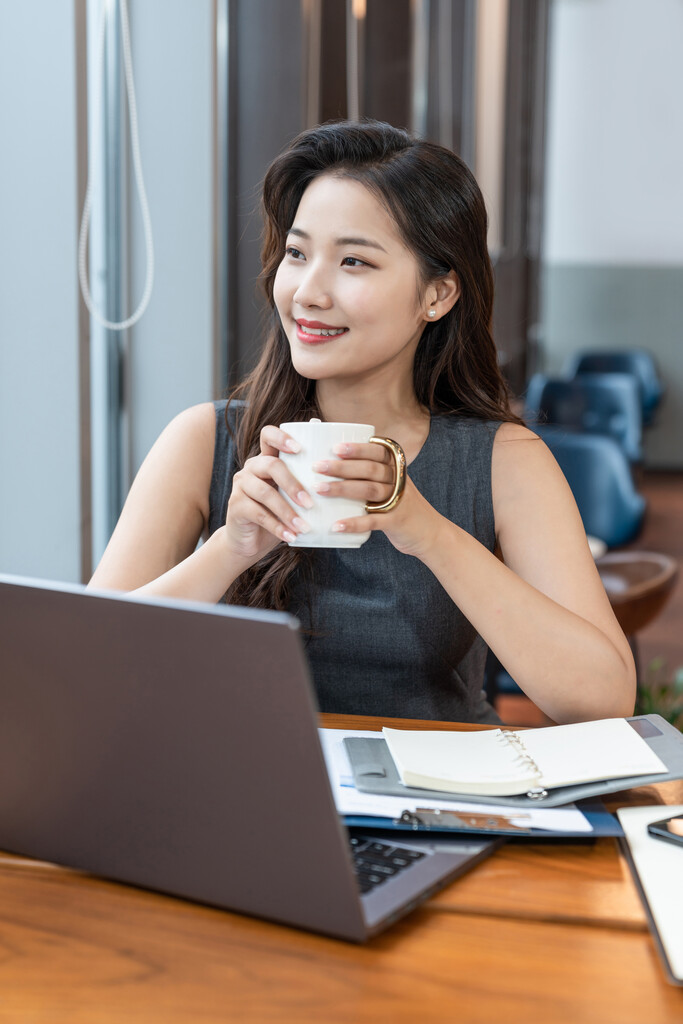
{"points": [[314, 332]]}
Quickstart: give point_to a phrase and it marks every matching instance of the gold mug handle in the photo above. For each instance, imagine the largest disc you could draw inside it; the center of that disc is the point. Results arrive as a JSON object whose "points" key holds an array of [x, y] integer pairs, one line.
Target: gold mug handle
{"points": [[400, 483]]}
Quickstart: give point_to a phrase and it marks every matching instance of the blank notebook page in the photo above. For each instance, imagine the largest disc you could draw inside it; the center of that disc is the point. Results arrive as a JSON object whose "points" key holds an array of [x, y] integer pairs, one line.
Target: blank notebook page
{"points": [[466, 757], [607, 749], [564, 754]]}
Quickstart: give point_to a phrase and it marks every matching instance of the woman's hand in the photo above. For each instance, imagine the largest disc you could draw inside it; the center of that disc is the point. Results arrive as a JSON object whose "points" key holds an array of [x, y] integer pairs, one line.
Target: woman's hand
{"points": [[258, 516], [368, 474]]}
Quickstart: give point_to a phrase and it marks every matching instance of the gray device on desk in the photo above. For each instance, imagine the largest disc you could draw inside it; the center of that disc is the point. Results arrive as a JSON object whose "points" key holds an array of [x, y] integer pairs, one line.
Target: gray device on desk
{"points": [[174, 745]]}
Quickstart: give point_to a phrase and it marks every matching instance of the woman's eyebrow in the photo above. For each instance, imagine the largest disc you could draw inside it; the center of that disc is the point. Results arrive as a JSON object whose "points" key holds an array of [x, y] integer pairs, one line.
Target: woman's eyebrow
{"points": [[367, 242]]}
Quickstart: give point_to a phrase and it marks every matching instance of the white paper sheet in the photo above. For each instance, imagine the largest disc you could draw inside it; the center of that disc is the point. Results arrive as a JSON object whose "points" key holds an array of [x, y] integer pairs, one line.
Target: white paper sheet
{"points": [[350, 801], [659, 866]]}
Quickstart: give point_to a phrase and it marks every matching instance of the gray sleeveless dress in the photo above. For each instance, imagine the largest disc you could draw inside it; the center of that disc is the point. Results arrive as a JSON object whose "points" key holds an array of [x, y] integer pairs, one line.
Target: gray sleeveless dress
{"points": [[382, 635]]}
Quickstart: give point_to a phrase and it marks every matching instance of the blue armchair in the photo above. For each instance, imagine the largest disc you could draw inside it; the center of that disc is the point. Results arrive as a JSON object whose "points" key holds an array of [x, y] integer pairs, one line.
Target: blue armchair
{"points": [[593, 403], [600, 478], [637, 362]]}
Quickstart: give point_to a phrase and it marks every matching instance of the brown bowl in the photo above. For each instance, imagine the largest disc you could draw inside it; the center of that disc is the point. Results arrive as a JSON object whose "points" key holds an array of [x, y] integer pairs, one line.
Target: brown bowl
{"points": [[638, 584]]}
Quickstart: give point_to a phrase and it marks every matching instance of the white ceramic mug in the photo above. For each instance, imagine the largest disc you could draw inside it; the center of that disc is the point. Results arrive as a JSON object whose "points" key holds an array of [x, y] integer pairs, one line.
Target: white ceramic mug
{"points": [[317, 440]]}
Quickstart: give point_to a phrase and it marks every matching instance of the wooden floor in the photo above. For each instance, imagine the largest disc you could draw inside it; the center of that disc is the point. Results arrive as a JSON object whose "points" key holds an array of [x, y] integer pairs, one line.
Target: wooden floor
{"points": [[663, 532]]}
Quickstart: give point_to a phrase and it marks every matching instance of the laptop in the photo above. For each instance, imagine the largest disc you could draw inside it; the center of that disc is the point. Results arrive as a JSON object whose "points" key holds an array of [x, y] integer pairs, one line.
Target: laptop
{"points": [[174, 746]]}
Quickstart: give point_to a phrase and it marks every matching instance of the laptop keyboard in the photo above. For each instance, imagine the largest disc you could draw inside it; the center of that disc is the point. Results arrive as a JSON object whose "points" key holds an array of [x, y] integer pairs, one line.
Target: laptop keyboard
{"points": [[375, 862]]}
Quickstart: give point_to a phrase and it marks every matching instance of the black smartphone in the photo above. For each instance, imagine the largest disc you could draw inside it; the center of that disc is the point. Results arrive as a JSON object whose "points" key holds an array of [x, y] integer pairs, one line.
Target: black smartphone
{"points": [[670, 829]]}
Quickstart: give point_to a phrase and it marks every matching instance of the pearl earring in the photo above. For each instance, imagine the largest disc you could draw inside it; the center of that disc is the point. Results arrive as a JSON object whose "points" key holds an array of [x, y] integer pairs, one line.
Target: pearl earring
{"points": [[432, 312]]}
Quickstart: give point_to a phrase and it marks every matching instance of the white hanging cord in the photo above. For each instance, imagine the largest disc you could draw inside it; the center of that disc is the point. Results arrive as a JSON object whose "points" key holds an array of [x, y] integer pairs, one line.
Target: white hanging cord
{"points": [[139, 181]]}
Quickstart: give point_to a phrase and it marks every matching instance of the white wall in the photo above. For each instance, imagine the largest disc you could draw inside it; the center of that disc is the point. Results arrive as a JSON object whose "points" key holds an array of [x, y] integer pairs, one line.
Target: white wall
{"points": [[613, 241], [40, 530], [615, 132], [172, 345], [39, 415]]}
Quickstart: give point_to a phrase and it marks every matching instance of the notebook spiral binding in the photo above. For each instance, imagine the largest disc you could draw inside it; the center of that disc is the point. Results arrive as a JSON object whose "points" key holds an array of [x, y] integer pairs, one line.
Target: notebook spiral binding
{"points": [[516, 741]]}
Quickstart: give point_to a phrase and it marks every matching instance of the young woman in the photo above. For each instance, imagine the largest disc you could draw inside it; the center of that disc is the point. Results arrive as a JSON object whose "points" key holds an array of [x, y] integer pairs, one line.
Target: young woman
{"points": [[377, 273]]}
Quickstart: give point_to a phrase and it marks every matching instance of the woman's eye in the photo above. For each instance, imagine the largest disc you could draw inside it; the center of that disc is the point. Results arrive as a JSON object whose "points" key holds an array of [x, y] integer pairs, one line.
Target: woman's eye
{"points": [[294, 253], [351, 261]]}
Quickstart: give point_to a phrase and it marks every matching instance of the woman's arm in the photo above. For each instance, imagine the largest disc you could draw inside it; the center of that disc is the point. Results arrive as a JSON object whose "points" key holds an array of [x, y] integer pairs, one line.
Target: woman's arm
{"points": [[543, 609], [153, 549], [154, 546]]}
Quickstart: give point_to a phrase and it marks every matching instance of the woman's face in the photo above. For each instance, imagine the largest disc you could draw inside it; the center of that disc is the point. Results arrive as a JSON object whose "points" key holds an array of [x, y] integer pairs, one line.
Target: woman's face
{"points": [[346, 272]]}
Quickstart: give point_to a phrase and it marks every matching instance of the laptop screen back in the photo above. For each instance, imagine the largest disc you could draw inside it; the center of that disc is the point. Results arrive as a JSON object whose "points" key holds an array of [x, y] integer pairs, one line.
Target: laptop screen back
{"points": [[169, 745]]}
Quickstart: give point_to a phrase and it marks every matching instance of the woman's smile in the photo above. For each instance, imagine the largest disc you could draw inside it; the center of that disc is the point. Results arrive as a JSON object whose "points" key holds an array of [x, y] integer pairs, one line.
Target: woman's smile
{"points": [[313, 332]]}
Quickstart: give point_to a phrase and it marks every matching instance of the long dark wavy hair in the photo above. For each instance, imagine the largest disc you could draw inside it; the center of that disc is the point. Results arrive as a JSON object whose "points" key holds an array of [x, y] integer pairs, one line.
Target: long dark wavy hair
{"points": [[440, 214]]}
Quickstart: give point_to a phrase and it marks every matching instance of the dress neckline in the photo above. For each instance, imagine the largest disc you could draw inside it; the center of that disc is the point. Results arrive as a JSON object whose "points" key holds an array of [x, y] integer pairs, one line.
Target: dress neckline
{"points": [[425, 443]]}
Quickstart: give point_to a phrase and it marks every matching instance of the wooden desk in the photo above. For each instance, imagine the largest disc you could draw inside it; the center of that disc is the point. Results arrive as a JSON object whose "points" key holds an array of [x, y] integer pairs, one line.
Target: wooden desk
{"points": [[539, 932]]}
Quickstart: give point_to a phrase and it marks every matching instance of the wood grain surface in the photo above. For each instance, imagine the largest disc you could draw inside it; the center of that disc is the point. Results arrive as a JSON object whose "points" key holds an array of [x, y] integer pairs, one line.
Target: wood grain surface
{"points": [[587, 883], [80, 950], [548, 932]]}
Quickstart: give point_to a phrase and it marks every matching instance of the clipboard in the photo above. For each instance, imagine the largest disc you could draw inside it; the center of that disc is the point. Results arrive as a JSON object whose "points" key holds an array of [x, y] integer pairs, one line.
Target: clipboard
{"points": [[506, 826], [374, 771]]}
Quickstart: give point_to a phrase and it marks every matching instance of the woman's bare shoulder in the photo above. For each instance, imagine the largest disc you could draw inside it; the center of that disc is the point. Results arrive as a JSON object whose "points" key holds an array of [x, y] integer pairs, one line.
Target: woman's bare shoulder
{"points": [[183, 454], [529, 488], [514, 432], [189, 435], [197, 424], [516, 448]]}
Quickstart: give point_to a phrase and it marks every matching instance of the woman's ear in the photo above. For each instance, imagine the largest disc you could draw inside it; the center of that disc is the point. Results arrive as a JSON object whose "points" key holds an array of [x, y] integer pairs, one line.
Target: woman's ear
{"points": [[442, 294]]}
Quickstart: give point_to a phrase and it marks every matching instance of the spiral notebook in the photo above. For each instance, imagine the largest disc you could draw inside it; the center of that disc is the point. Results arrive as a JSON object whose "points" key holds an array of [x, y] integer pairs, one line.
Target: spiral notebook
{"points": [[506, 762], [555, 765]]}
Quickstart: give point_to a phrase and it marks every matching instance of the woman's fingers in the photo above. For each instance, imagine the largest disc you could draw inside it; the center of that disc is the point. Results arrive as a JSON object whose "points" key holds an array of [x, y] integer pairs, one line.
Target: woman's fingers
{"points": [[258, 483], [357, 478], [359, 524], [357, 469], [367, 452], [274, 440], [273, 471], [401, 525], [255, 512], [356, 490]]}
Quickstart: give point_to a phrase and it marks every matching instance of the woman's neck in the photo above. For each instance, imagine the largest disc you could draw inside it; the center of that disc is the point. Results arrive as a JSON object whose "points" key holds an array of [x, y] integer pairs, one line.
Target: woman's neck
{"points": [[397, 415]]}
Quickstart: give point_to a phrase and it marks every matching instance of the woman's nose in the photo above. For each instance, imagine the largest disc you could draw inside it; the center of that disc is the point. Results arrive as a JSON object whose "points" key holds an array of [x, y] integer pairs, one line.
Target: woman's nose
{"points": [[313, 289]]}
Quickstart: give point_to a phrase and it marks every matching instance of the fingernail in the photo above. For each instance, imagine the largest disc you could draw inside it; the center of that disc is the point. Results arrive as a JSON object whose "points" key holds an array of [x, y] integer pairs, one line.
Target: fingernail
{"points": [[341, 449], [322, 488], [303, 498], [338, 527], [321, 467], [301, 525], [289, 537], [292, 446]]}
